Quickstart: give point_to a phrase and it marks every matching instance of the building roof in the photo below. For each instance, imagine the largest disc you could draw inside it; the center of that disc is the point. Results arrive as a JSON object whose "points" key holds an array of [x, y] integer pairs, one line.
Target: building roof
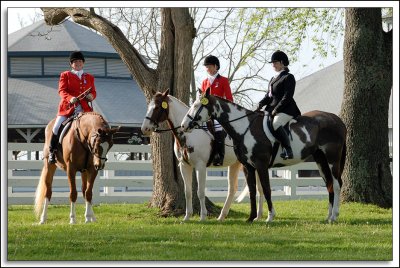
{"points": [[67, 37], [323, 90], [33, 102]]}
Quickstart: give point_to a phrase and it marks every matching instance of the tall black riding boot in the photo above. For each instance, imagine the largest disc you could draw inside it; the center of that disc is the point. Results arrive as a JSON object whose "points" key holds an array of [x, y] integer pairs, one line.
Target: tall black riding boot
{"points": [[53, 148], [219, 148], [283, 137]]}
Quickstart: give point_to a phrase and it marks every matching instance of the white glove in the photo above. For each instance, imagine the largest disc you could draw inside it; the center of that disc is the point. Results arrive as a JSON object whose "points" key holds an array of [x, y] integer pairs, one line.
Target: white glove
{"points": [[73, 100], [89, 97]]}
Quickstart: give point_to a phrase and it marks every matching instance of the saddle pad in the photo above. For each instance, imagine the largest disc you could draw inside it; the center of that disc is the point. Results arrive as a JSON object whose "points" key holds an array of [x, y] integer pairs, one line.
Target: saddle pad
{"points": [[64, 131], [267, 131]]}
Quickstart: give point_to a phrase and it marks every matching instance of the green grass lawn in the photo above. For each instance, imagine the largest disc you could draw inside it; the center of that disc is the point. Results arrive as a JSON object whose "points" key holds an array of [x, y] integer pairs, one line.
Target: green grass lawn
{"points": [[134, 232]]}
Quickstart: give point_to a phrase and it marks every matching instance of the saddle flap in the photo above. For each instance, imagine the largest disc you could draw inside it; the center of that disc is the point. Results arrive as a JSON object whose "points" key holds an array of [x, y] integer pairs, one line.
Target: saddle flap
{"points": [[65, 127], [269, 130]]}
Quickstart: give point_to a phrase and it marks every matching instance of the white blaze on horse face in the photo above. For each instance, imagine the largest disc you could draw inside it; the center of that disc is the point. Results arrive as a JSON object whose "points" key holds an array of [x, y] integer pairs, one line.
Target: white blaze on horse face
{"points": [[192, 112], [147, 125], [105, 146]]}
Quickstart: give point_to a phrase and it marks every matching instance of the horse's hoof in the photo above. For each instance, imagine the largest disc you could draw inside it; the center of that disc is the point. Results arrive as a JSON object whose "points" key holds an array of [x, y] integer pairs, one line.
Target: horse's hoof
{"points": [[271, 216], [72, 221], [269, 219], [331, 220], [250, 220]]}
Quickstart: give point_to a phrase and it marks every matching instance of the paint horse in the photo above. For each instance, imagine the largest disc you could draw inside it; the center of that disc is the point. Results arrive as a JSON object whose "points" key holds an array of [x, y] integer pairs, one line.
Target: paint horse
{"points": [[193, 150], [318, 134], [84, 148]]}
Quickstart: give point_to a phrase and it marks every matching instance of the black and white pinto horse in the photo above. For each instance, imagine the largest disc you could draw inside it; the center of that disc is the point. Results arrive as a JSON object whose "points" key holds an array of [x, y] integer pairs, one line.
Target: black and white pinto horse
{"points": [[316, 133], [193, 150]]}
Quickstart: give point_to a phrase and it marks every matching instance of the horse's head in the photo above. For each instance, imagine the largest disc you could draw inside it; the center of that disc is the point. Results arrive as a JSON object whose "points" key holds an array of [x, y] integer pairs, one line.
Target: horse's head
{"points": [[101, 140], [199, 112], [157, 112]]}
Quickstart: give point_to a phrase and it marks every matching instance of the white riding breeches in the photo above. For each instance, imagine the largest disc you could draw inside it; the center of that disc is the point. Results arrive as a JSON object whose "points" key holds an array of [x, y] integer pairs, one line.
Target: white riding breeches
{"points": [[62, 118], [280, 119]]}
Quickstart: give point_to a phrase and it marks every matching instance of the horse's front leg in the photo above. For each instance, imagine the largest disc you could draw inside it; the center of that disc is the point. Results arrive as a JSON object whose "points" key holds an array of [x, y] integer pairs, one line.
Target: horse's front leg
{"points": [[249, 172], [186, 172], [89, 213], [73, 193], [201, 188]]}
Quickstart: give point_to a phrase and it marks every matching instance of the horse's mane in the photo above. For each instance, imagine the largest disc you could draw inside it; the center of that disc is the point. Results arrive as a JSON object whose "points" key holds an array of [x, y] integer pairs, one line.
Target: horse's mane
{"points": [[175, 98], [179, 101], [235, 104], [94, 113], [97, 114]]}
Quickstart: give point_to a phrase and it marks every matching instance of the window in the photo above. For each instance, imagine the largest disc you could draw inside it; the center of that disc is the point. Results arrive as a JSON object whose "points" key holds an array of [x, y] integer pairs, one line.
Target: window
{"points": [[27, 66]]}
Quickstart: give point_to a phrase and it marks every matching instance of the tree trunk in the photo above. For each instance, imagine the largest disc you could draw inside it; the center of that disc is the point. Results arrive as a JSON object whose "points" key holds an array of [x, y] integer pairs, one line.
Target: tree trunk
{"points": [[173, 72], [368, 81]]}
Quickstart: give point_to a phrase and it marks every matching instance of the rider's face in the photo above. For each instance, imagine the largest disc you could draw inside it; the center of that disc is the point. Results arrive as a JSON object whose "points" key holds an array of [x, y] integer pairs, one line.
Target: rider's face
{"points": [[77, 65], [277, 65], [211, 69]]}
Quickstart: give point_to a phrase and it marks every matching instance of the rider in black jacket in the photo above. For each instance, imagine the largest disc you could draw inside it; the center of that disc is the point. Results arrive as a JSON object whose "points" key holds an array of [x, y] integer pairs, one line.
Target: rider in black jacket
{"points": [[279, 100]]}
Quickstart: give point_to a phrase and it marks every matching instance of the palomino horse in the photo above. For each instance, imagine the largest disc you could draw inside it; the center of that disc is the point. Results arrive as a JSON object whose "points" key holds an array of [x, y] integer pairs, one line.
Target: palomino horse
{"points": [[83, 149], [315, 133], [193, 150]]}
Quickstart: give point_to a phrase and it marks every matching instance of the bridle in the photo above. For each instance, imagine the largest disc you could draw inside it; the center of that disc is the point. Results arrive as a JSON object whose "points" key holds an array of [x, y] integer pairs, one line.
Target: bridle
{"points": [[91, 147], [93, 137], [204, 102], [164, 109]]}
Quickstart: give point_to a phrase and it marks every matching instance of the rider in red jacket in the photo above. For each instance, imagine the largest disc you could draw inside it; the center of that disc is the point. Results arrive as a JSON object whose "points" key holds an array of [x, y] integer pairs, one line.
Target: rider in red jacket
{"points": [[71, 85], [219, 87]]}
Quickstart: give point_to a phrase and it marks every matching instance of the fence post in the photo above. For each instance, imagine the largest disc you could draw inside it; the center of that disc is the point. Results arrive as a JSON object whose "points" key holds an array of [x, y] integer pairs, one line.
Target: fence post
{"points": [[108, 174], [293, 183]]}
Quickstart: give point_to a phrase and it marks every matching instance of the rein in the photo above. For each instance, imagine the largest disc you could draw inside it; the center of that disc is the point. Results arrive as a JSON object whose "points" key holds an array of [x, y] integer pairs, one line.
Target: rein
{"points": [[196, 125], [90, 149]]}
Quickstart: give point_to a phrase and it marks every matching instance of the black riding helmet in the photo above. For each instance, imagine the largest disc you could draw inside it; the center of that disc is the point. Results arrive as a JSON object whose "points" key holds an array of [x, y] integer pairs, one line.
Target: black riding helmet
{"points": [[76, 55], [280, 56], [211, 60]]}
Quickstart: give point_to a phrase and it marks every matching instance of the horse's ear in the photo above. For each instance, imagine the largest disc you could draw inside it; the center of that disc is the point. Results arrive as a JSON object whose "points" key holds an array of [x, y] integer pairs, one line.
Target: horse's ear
{"points": [[208, 91], [166, 92], [113, 130]]}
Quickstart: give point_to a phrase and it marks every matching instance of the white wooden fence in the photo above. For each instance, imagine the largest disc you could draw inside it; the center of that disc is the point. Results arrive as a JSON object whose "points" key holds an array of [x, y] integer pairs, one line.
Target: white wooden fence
{"points": [[116, 184]]}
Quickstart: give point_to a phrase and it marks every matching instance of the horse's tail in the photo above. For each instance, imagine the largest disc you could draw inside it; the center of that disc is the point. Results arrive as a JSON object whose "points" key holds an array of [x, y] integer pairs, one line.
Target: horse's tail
{"points": [[243, 194], [342, 162], [343, 159], [40, 192]]}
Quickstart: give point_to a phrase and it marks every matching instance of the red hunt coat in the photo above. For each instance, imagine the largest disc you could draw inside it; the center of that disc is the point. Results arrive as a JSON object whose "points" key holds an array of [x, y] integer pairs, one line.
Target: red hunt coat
{"points": [[71, 86], [220, 87]]}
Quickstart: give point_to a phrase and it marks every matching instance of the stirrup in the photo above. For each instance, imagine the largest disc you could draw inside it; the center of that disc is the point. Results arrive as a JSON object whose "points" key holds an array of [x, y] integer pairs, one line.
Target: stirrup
{"points": [[285, 155]]}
